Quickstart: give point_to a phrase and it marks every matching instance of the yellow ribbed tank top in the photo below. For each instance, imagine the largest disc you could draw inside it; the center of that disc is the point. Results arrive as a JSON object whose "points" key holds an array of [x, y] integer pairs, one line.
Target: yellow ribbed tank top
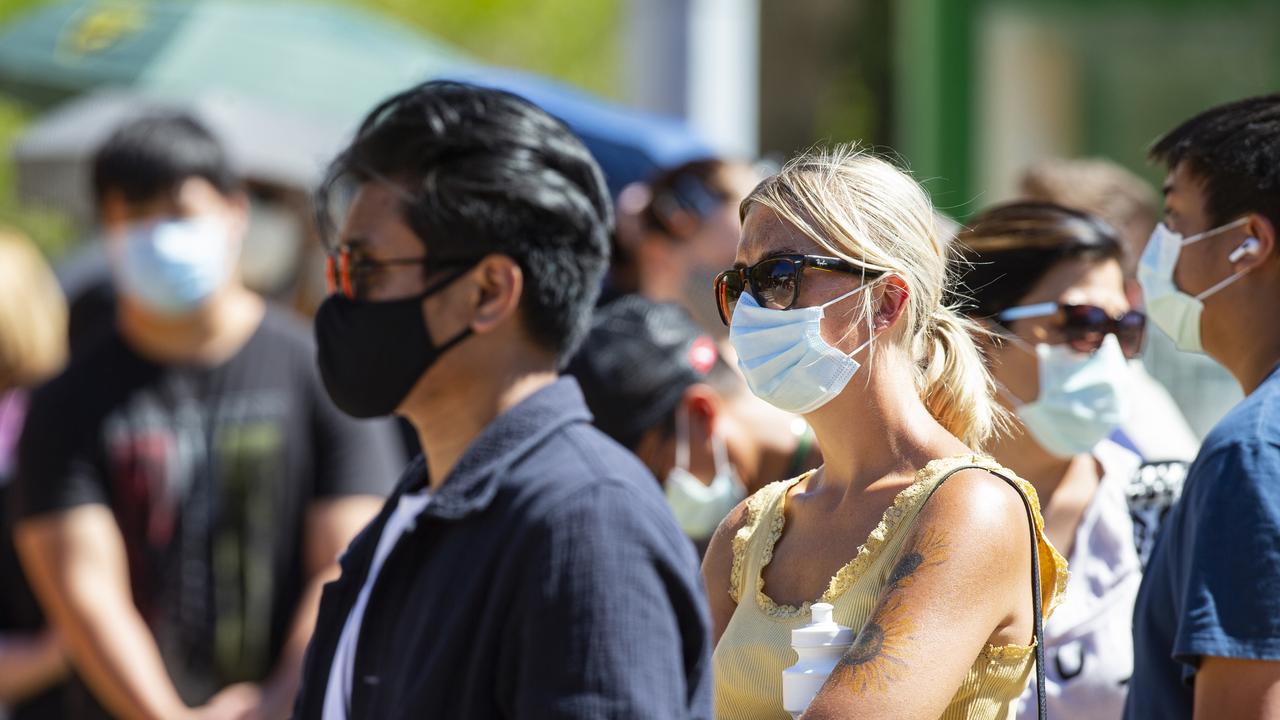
{"points": [[756, 645]]}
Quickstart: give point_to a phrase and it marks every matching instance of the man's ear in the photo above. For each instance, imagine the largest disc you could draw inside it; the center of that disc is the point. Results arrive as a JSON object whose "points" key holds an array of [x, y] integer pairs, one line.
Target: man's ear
{"points": [[499, 282], [703, 404], [1259, 247]]}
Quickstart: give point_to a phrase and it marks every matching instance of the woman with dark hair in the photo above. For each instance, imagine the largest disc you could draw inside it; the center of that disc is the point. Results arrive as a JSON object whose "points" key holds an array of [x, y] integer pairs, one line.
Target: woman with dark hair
{"points": [[1047, 281]]}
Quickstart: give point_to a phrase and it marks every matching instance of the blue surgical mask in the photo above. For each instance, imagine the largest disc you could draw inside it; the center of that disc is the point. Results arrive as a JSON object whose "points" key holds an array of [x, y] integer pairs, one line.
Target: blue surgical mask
{"points": [[1173, 311], [173, 266], [784, 358], [1083, 396]]}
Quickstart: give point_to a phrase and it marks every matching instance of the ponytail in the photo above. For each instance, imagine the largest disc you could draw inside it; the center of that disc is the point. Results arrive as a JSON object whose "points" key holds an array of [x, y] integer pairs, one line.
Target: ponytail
{"points": [[953, 380]]}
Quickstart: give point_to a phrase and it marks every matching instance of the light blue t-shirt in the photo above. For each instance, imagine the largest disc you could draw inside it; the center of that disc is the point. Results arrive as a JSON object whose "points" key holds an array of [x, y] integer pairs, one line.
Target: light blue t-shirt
{"points": [[1213, 584]]}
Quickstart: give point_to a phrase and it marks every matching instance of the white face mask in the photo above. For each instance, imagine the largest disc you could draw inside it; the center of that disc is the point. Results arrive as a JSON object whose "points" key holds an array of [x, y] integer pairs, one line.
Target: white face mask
{"points": [[1083, 397], [174, 266], [1173, 311], [784, 358], [698, 507]]}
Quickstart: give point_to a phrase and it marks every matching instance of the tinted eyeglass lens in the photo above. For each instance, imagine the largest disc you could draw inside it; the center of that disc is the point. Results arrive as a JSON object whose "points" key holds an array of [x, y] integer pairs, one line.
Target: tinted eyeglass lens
{"points": [[1131, 330], [728, 287], [1087, 326], [775, 283]]}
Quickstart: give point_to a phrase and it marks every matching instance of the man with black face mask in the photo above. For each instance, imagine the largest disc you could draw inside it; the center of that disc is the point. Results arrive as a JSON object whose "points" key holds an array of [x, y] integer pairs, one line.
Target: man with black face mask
{"points": [[527, 566]]}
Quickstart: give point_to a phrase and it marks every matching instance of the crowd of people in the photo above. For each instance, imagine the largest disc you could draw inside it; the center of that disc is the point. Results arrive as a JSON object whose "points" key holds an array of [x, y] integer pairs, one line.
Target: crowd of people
{"points": [[645, 438]]}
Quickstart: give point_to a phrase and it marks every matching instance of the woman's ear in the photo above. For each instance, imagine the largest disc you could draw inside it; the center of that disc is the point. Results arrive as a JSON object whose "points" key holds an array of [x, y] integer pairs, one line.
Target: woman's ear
{"points": [[894, 294]]}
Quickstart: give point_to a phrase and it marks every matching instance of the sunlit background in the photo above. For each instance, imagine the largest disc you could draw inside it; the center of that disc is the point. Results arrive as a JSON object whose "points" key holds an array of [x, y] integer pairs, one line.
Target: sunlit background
{"points": [[966, 92]]}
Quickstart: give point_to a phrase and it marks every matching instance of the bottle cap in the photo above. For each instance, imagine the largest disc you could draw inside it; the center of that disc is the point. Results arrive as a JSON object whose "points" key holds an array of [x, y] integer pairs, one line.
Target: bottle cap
{"points": [[822, 631]]}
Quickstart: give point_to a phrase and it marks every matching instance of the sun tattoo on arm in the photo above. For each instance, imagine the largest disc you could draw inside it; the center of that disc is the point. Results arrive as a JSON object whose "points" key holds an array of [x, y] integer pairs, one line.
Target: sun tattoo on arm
{"points": [[875, 658]]}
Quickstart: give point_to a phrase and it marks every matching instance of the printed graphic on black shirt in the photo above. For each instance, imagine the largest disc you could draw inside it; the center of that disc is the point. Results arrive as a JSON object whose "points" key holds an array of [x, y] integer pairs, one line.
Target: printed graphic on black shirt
{"points": [[209, 473]]}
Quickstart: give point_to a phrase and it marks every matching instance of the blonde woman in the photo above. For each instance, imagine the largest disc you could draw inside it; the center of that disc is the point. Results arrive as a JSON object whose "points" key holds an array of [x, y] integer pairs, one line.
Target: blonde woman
{"points": [[33, 346], [836, 311]]}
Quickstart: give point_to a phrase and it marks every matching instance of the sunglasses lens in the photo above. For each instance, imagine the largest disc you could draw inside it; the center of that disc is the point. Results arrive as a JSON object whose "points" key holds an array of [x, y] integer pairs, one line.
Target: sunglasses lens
{"points": [[728, 288], [775, 283], [1131, 330], [1085, 326]]}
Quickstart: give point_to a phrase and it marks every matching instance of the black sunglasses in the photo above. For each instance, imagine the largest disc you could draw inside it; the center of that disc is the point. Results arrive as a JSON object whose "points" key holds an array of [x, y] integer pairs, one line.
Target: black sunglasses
{"points": [[775, 281], [1084, 327]]}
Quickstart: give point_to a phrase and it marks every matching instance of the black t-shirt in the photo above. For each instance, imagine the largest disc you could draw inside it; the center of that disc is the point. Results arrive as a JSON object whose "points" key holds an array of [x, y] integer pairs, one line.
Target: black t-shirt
{"points": [[19, 612], [209, 473]]}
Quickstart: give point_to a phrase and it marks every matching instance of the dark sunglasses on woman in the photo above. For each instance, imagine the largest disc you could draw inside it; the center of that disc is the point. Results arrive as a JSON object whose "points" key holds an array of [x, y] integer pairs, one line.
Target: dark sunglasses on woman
{"points": [[1084, 327], [775, 281]]}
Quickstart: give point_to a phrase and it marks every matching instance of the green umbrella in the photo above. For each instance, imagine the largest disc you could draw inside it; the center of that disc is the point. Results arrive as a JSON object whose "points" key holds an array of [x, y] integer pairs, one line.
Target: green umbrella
{"points": [[316, 59]]}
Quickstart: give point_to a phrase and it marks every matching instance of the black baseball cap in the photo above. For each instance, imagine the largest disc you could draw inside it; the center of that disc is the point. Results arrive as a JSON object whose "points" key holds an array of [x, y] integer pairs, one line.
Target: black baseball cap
{"points": [[636, 362]]}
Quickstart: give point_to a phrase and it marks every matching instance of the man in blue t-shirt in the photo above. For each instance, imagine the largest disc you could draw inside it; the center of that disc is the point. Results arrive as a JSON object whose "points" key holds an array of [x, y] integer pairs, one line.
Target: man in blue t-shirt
{"points": [[1207, 623]]}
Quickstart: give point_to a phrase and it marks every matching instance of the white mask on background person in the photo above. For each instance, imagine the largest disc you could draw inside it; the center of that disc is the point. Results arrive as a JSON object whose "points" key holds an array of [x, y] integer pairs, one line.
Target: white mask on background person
{"points": [[272, 246], [1173, 311], [1083, 396], [784, 358], [173, 266], [699, 507]]}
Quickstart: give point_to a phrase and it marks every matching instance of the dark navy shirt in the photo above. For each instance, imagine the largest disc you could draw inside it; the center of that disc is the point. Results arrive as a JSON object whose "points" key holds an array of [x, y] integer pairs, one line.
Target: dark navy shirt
{"points": [[547, 578], [1212, 587]]}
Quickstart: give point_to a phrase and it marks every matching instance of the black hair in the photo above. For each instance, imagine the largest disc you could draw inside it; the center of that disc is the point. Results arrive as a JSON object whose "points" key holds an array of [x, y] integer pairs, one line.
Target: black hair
{"points": [[638, 360], [152, 156], [1008, 249], [1235, 150], [486, 171], [694, 187]]}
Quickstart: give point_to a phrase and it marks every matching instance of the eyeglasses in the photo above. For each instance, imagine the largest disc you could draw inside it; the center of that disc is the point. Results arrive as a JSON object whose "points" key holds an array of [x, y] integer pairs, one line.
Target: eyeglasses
{"points": [[1084, 327], [349, 272], [775, 281]]}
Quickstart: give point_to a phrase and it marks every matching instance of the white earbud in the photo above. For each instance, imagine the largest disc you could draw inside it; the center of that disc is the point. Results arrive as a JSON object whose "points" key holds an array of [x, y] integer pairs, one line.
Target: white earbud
{"points": [[1248, 247]]}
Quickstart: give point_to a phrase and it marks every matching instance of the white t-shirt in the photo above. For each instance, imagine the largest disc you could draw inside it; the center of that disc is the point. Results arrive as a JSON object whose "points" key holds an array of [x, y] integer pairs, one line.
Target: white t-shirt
{"points": [[337, 695], [1089, 639]]}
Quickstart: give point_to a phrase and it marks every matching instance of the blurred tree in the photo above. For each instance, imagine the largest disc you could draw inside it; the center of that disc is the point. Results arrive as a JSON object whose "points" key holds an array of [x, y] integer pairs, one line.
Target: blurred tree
{"points": [[824, 74], [571, 40]]}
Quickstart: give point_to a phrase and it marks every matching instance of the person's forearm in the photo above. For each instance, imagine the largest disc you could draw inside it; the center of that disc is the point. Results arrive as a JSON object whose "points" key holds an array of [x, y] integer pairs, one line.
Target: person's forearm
{"points": [[29, 663], [279, 691], [117, 655]]}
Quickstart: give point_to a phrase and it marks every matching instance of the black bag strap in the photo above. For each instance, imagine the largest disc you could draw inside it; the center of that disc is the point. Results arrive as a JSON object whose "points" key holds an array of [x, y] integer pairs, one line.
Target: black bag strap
{"points": [[1038, 610]]}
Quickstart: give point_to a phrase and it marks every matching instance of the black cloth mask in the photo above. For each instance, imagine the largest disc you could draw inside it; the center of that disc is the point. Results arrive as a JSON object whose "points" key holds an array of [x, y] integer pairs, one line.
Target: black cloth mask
{"points": [[371, 354]]}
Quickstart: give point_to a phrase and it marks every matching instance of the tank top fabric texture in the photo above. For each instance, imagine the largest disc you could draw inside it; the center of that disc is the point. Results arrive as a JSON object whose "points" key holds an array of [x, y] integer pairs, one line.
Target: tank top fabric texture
{"points": [[756, 645]]}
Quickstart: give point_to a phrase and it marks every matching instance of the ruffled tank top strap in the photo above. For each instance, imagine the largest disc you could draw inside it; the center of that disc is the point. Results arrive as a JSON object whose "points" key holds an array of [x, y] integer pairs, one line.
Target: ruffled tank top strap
{"points": [[764, 521]]}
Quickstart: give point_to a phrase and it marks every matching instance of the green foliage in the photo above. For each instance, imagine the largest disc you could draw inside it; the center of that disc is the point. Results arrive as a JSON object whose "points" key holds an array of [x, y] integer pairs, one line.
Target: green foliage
{"points": [[52, 231], [572, 40]]}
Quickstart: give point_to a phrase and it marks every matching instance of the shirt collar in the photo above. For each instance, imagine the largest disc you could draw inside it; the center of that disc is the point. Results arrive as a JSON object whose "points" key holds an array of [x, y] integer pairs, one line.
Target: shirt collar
{"points": [[474, 481]]}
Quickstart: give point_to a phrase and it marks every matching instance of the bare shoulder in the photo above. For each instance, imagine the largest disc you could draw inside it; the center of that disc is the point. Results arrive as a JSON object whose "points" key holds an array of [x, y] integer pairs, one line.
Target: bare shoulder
{"points": [[984, 517], [717, 564]]}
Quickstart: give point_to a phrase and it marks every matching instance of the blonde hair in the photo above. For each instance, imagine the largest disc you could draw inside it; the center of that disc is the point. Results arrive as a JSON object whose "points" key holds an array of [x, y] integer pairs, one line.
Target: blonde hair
{"points": [[862, 209], [33, 315]]}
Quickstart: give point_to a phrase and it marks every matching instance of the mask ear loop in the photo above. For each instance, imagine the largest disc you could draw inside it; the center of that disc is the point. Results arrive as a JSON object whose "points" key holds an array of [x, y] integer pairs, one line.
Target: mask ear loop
{"points": [[1248, 247], [871, 333], [720, 453], [1214, 231]]}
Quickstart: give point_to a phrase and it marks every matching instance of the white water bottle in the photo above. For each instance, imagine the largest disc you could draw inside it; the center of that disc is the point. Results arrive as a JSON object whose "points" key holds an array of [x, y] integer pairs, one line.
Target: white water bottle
{"points": [[820, 645]]}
